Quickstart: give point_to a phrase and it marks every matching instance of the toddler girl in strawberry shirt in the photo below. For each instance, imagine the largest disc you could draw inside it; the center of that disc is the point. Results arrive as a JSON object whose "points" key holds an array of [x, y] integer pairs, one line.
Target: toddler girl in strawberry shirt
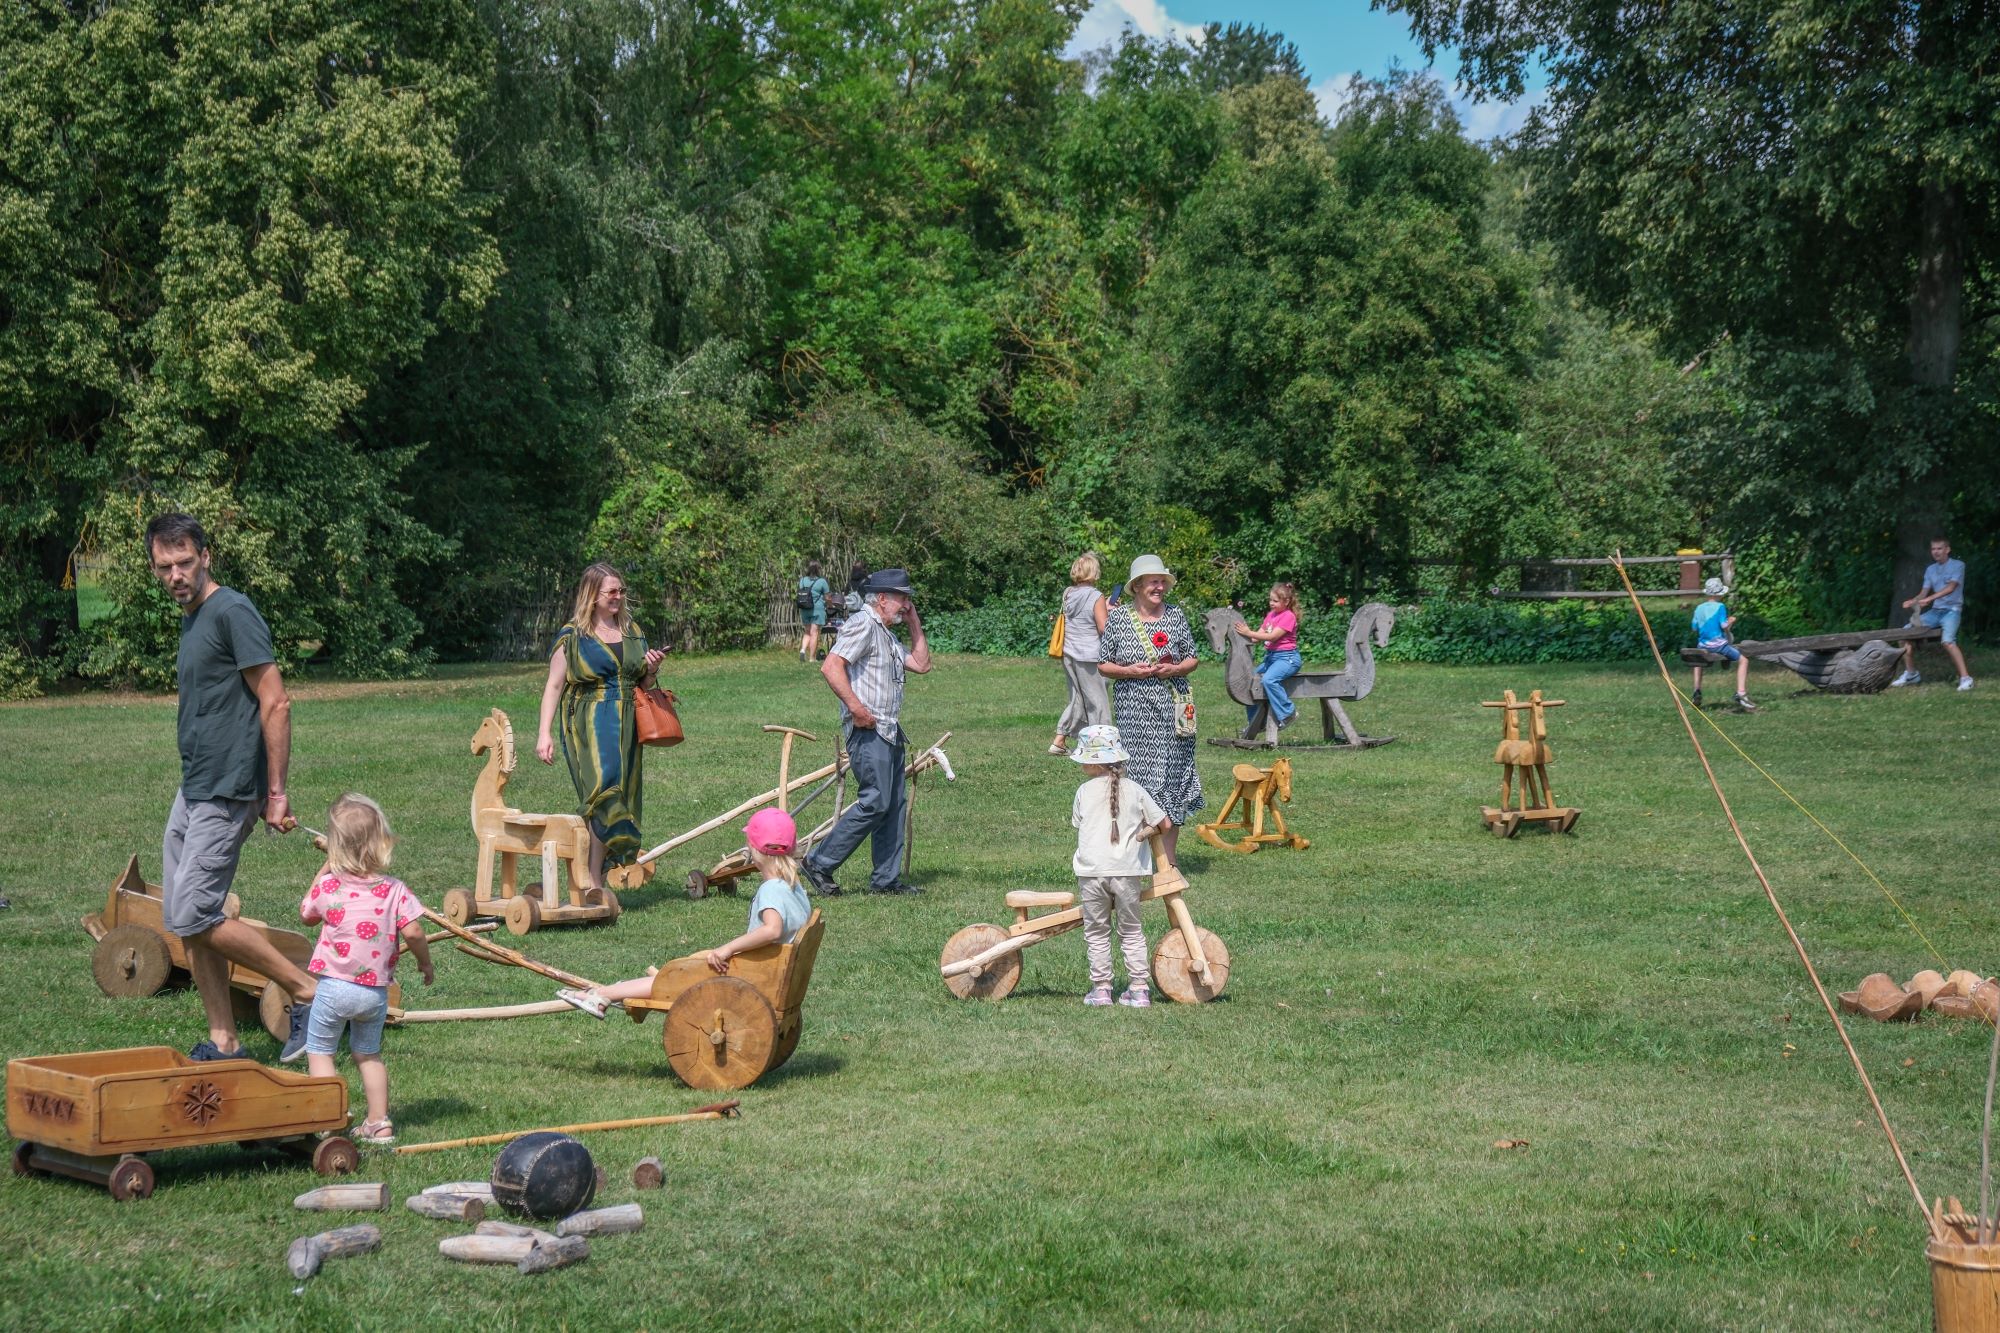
{"points": [[362, 913]]}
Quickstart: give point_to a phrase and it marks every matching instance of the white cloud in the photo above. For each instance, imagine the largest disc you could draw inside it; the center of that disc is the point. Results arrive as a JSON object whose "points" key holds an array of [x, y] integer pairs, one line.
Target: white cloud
{"points": [[1335, 93], [1496, 120], [1106, 19]]}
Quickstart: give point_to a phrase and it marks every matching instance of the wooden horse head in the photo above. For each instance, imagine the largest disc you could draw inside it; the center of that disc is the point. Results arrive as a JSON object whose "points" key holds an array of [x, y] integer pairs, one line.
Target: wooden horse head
{"points": [[1239, 672], [1280, 781], [494, 739]]}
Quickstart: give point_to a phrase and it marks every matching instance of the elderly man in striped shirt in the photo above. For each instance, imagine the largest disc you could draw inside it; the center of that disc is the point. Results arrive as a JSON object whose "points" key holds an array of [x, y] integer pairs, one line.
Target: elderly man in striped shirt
{"points": [[865, 669]]}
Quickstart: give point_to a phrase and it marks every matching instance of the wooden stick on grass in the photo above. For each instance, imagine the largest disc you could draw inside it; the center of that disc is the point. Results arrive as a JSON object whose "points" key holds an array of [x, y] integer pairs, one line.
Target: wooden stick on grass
{"points": [[718, 1111]]}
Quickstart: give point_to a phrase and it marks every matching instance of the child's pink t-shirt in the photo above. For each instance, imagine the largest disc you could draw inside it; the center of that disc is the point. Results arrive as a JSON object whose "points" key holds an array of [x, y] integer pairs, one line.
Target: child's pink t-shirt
{"points": [[1288, 621], [359, 920]]}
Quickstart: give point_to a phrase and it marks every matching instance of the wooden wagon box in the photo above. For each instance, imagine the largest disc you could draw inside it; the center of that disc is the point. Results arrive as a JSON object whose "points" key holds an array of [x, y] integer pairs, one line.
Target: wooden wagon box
{"points": [[84, 1114]]}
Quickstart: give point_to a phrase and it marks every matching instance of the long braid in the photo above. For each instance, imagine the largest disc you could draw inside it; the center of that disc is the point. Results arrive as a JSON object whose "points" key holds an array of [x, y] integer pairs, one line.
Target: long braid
{"points": [[1117, 780]]}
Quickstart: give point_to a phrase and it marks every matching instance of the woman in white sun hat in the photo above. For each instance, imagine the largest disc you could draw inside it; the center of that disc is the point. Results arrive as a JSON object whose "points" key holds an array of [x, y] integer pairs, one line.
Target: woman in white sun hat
{"points": [[1148, 651], [1114, 820]]}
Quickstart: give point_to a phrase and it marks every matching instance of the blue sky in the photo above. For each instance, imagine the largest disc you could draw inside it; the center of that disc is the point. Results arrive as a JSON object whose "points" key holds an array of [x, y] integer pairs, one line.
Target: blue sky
{"points": [[1336, 38]]}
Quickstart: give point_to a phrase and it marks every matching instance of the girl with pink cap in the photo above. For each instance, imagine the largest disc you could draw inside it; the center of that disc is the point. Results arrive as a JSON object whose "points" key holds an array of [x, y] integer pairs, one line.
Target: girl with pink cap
{"points": [[776, 913]]}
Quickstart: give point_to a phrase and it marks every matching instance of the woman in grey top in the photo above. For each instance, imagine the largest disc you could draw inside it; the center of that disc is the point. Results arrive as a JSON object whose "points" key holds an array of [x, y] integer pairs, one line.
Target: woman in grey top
{"points": [[1083, 620]]}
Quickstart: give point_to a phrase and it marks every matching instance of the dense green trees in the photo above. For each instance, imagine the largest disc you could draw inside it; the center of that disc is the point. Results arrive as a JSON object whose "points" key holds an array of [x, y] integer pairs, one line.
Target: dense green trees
{"points": [[1806, 189], [421, 307]]}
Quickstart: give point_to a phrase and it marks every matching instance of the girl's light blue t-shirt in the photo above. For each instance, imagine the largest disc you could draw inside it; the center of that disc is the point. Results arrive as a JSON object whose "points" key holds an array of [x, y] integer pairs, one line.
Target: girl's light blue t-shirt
{"points": [[788, 900]]}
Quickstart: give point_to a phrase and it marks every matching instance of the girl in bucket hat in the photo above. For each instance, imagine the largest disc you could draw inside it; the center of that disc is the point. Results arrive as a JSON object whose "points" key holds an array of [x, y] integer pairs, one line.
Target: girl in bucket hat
{"points": [[776, 913], [1115, 819]]}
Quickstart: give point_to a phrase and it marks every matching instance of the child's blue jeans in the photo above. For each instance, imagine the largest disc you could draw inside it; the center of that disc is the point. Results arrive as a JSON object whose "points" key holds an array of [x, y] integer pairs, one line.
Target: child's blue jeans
{"points": [[1277, 669]]}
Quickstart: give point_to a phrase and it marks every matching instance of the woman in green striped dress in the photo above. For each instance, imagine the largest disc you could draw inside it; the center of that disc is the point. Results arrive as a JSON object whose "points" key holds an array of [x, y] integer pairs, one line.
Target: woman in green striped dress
{"points": [[600, 658]]}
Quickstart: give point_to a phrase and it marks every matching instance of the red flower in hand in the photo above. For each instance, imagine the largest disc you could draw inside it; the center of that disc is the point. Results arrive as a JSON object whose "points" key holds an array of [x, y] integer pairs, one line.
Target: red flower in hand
{"points": [[1159, 638]]}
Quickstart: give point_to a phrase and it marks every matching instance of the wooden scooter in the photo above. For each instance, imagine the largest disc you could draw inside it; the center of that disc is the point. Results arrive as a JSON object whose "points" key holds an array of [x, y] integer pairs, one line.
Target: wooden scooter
{"points": [[984, 962]]}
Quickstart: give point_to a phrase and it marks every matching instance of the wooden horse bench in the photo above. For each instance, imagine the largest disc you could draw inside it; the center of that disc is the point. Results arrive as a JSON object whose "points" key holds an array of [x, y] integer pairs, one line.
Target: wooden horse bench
{"points": [[729, 1030], [1258, 790]]}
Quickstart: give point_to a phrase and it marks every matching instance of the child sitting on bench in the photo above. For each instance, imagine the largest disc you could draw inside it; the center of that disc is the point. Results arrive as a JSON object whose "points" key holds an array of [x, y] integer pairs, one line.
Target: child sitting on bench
{"points": [[777, 913], [1712, 623]]}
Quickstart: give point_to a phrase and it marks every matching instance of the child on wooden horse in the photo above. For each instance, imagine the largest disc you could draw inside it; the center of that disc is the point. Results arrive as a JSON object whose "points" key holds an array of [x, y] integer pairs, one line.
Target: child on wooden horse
{"points": [[362, 914], [1280, 636], [1115, 819], [777, 913]]}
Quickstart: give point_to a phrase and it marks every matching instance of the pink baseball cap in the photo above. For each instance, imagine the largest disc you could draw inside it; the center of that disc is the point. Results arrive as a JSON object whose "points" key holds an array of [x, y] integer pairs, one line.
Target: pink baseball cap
{"points": [[772, 832]]}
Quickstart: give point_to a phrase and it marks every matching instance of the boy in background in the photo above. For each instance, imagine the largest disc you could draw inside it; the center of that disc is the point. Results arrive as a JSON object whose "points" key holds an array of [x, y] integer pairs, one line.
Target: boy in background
{"points": [[1712, 623]]}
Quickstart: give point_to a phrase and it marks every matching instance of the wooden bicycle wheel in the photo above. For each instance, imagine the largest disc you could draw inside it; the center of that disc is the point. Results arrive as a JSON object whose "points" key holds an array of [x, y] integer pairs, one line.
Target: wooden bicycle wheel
{"points": [[721, 1033], [274, 1010], [604, 898], [1175, 976], [523, 914], [458, 907], [130, 960], [995, 981]]}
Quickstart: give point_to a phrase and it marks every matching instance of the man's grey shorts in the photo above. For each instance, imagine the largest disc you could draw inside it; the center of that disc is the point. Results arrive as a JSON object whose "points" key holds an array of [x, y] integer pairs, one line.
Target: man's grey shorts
{"points": [[199, 855]]}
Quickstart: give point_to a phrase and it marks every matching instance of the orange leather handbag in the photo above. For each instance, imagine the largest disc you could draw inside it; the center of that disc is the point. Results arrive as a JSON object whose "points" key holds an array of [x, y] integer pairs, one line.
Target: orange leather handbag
{"points": [[655, 718]]}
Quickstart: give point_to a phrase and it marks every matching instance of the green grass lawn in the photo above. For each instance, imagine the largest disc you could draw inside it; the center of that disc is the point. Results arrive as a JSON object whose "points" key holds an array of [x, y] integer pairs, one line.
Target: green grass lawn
{"points": [[1314, 1149]]}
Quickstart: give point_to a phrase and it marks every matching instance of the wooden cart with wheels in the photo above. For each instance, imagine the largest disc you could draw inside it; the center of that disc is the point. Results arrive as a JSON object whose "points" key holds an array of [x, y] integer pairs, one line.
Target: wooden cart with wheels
{"points": [[136, 954], [983, 962], [506, 835], [93, 1115], [729, 1030]]}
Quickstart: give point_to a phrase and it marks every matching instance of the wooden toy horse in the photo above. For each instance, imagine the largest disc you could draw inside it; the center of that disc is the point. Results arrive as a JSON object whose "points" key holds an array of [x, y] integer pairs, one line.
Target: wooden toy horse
{"points": [[1257, 790], [1528, 758], [1372, 622], [508, 834]]}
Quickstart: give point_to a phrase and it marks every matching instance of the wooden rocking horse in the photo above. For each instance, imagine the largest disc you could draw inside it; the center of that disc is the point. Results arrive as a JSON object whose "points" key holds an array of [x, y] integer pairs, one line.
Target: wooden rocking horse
{"points": [[1527, 758], [1257, 790], [507, 834], [1367, 631]]}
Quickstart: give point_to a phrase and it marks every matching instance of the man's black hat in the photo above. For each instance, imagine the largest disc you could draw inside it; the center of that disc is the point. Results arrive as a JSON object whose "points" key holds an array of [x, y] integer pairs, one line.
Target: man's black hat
{"points": [[889, 580]]}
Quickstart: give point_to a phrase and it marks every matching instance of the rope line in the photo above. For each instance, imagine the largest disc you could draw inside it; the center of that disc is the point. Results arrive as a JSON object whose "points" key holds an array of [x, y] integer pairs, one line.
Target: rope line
{"points": [[1770, 894], [1877, 879]]}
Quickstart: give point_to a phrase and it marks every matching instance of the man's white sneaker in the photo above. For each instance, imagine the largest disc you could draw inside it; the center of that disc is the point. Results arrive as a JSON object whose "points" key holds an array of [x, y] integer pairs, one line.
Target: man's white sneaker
{"points": [[1907, 678], [1964, 684]]}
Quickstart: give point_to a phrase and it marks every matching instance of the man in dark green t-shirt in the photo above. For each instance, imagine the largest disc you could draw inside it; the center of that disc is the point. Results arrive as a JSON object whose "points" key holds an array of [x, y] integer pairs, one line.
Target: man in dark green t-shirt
{"points": [[235, 731]]}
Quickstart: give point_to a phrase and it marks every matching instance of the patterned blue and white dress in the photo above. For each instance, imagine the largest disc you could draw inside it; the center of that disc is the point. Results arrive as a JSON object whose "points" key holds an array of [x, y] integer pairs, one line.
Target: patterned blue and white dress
{"points": [[1161, 762]]}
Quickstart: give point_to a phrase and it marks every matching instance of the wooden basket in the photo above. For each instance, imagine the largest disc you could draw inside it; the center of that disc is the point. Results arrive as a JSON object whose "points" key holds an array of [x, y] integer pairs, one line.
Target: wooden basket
{"points": [[1965, 1286]]}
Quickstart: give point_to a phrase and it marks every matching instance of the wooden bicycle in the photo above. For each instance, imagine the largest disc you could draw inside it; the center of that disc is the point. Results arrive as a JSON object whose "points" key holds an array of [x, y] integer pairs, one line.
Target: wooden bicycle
{"points": [[983, 962]]}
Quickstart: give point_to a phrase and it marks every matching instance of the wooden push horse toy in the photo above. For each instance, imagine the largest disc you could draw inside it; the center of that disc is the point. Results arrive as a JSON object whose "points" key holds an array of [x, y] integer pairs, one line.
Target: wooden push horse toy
{"points": [[722, 1031], [507, 834], [639, 872], [738, 863], [136, 954], [1529, 758], [984, 962], [1374, 620], [91, 1116], [1257, 790]]}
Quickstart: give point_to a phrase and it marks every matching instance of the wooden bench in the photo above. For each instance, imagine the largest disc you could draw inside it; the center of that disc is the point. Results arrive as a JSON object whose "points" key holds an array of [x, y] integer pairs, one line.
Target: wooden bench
{"points": [[1813, 643]]}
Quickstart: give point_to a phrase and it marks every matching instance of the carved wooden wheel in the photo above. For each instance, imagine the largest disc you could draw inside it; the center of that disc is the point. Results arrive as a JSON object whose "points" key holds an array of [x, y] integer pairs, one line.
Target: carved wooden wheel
{"points": [[201, 1103], [130, 960], [995, 981], [1174, 974], [720, 1034]]}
